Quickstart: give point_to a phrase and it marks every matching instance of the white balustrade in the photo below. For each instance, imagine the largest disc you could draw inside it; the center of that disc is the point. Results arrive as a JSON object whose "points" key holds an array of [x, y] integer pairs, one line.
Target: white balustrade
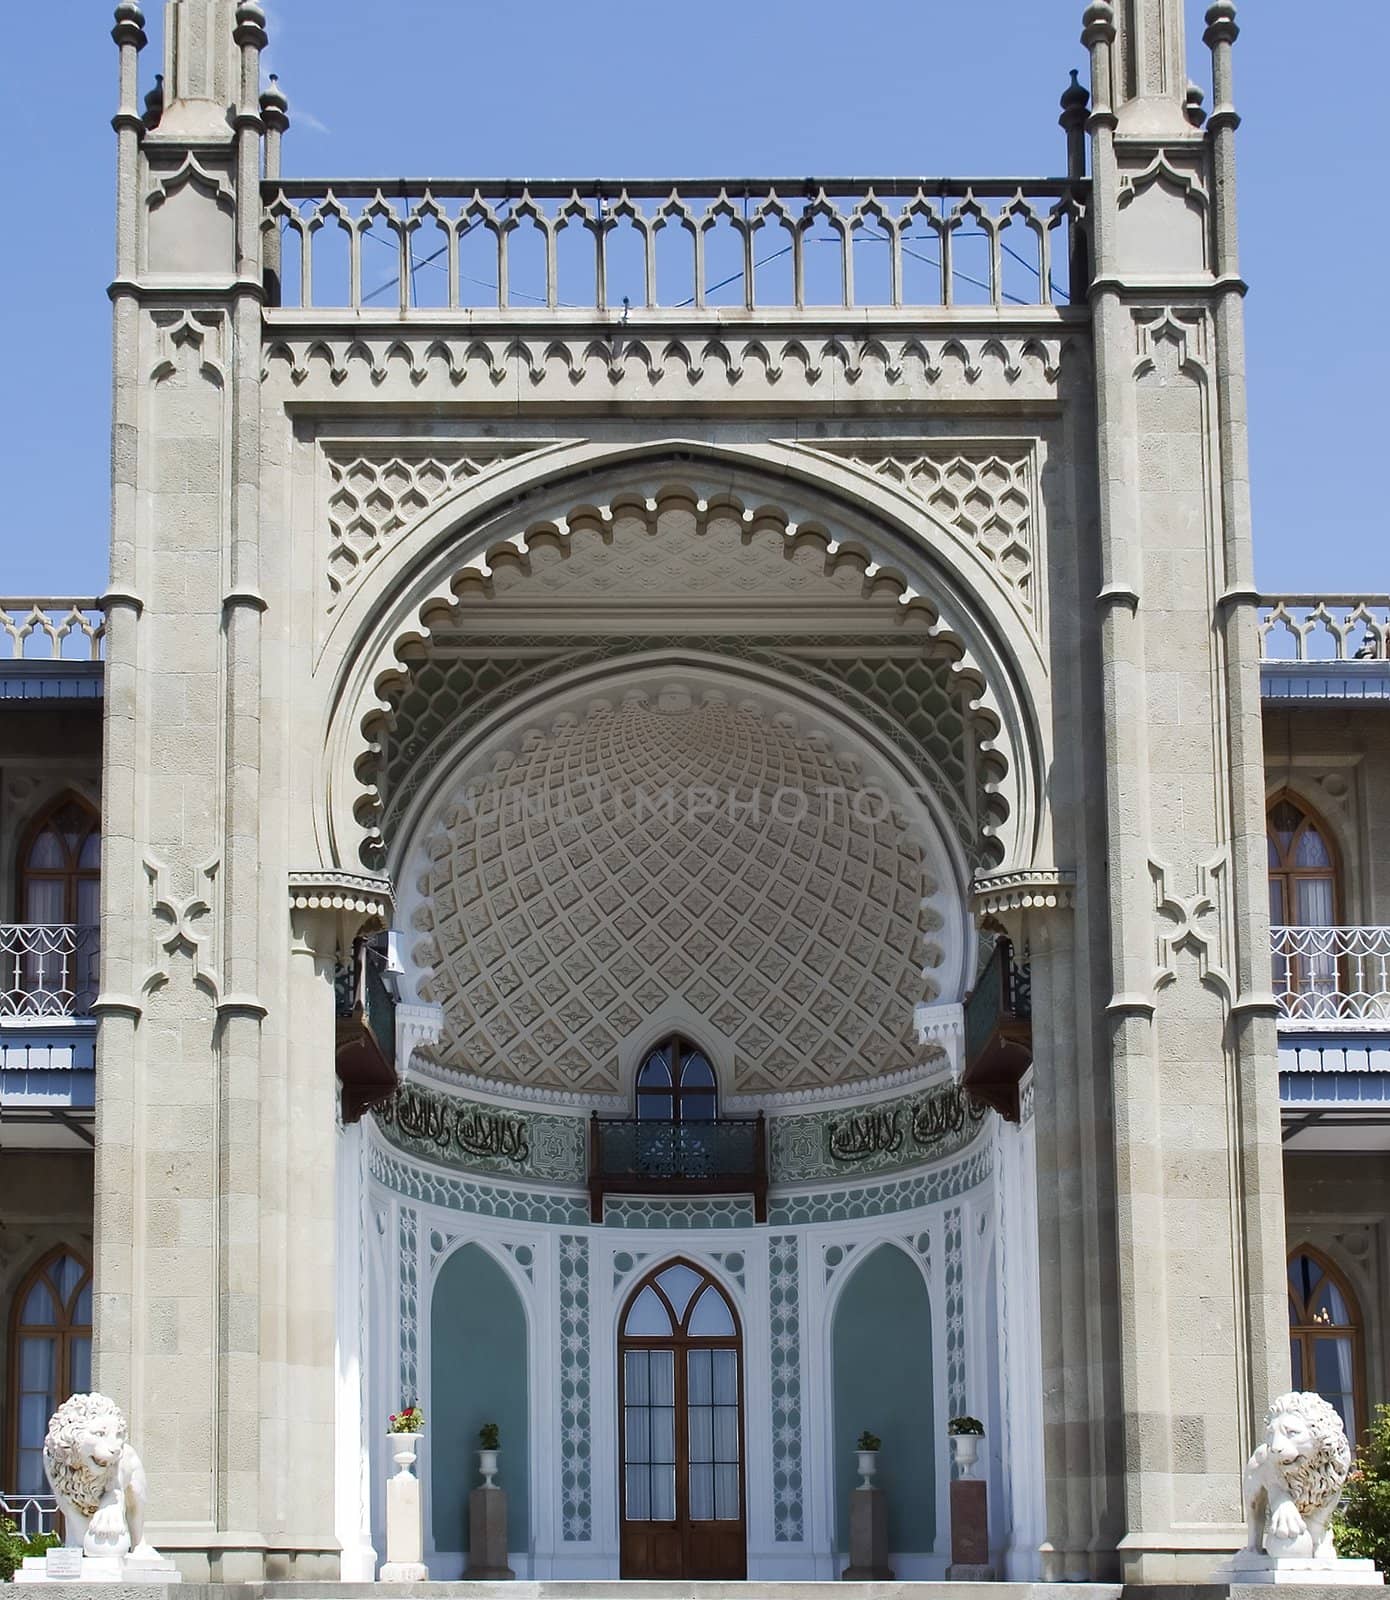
{"points": [[1332, 627], [47, 969], [1329, 975], [399, 246], [46, 629]]}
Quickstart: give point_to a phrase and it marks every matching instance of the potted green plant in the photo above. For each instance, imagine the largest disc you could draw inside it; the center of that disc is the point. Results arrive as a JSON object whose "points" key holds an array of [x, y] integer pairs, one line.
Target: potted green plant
{"points": [[403, 1431], [867, 1450], [489, 1441], [965, 1434]]}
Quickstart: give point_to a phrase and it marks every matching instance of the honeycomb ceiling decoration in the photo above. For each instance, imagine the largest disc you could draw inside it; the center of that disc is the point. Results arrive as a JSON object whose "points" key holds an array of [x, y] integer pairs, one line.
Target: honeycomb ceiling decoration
{"points": [[675, 850]]}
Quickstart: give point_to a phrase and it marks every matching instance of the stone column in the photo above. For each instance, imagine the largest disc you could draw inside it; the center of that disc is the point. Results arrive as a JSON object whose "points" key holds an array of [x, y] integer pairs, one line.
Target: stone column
{"points": [[1192, 1049], [195, 1117]]}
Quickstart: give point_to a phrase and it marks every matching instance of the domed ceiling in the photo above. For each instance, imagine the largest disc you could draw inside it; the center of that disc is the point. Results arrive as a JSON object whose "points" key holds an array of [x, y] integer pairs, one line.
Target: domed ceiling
{"points": [[685, 858]]}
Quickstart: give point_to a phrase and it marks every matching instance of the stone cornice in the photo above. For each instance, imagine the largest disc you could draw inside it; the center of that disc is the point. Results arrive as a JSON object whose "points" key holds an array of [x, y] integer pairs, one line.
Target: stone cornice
{"points": [[332, 889], [1027, 889]]}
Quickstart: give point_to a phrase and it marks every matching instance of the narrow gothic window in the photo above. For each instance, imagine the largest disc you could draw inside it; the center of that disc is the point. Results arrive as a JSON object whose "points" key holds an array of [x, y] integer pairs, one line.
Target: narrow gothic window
{"points": [[1302, 874], [1325, 1335], [60, 865], [50, 1357], [1304, 905], [676, 1083]]}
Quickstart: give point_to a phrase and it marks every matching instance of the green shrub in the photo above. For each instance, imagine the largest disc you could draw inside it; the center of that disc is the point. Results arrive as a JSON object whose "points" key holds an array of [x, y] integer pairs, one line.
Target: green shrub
{"points": [[1362, 1526], [14, 1547]]}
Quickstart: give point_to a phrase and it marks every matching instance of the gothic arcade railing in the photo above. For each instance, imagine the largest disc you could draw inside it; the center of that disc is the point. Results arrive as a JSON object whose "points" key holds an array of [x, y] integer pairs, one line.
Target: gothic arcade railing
{"points": [[46, 629], [401, 245], [32, 1514], [1332, 974], [48, 969], [1329, 627], [630, 1155]]}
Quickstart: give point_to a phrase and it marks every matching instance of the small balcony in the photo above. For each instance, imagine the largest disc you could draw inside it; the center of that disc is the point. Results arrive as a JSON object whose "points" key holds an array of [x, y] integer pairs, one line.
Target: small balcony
{"points": [[366, 1030], [999, 1032], [647, 1156], [1329, 977], [48, 970]]}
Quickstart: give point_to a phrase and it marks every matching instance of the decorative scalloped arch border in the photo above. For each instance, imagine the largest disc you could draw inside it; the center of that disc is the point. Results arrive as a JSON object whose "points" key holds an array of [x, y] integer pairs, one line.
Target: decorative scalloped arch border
{"points": [[366, 650]]}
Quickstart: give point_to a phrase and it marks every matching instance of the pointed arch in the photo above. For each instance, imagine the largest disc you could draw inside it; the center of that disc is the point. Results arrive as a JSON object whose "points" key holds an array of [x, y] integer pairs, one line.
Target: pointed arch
{"points": [[50, 1357], [1305, 868], [681, 1446], [881, 1354], [1326, 1335], [58, 863]]}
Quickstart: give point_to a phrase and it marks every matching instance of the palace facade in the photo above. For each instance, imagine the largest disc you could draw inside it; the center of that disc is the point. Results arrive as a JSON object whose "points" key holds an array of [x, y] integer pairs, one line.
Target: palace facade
{"points": [[681, 828]]}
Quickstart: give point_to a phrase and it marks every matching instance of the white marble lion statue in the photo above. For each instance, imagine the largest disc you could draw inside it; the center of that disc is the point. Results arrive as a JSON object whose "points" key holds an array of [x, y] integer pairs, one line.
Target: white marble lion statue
{"points": [[97, 1478], [1294, 1479]]}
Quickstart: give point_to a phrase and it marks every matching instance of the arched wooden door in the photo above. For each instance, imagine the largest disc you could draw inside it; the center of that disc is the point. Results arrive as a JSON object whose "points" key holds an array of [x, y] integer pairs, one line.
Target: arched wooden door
{"points": [[680, 1395]]}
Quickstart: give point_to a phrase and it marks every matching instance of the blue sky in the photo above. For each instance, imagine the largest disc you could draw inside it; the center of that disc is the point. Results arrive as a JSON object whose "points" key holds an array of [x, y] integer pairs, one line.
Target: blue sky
{"points": [[723, 88]]}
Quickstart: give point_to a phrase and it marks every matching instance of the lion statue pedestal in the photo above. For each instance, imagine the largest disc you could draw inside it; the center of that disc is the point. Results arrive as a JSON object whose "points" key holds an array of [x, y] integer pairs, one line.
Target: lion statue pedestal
{"points": [[1293, 1483], [100, 1487]]}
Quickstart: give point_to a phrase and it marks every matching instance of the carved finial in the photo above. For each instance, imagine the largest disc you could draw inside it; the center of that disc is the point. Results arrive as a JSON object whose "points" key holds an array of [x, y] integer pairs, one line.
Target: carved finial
{"points": [[1221, 23], [154, 102], [1075, 98], [1098, 23], [129, 28], [1192, 105], [274, 106], [250, 25]]}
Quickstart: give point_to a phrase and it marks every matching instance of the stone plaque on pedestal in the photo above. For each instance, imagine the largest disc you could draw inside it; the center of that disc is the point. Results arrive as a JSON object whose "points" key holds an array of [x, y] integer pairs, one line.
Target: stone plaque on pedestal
{"points": [[868, 1536], [487, 1534], [970, 1532]]}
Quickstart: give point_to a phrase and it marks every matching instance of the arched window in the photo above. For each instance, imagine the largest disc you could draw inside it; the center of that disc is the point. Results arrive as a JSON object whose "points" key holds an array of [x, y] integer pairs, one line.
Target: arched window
{"points": [[1325, 1335], [60, 865], [1304, 908], [1303, 888], [59, 905], [676, 1083], [681, 1398], [50, 1357]]}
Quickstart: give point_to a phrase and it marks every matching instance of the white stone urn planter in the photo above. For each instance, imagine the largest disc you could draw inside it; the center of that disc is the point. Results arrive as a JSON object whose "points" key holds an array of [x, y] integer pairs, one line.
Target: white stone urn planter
{"points": [[868, 1465], [965, 1450], [405, 1524], [487, 1466], [404, 1449]]}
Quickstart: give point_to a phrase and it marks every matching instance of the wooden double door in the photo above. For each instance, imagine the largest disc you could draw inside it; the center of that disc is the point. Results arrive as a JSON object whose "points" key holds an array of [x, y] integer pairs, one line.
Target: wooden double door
{"points": [[680, 1394]]}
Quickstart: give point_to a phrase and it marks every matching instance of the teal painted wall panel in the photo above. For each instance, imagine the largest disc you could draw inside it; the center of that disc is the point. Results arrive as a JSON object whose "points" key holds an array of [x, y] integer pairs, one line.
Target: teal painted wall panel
{"points": [[882, 1355], [477, 1374]]}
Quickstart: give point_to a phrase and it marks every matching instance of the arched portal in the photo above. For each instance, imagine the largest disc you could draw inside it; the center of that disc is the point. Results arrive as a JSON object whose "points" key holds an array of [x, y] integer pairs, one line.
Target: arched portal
{"points": [[721, 549], [680, 1398], [478, 1374], [882, 1368]]}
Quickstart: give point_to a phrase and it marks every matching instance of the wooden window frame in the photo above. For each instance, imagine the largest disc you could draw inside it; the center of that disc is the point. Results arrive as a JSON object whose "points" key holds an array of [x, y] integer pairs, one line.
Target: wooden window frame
{"points": [[70, 875], [1286, 873], [681, 1049], [64, 1331], [1303, 1330], [681, 1343]]}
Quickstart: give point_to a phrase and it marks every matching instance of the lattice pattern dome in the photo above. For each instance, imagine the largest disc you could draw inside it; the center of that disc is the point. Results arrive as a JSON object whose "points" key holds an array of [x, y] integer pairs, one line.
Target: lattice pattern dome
{"points": [[684, 850]]}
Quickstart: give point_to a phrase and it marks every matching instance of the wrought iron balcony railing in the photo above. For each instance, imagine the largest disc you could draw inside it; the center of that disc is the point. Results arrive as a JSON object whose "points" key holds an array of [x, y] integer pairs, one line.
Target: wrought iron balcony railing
{"points": [[631, 1155], [1332, 975], [999, 1031], [398, 246], [366, 1030], [48, 969]]}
